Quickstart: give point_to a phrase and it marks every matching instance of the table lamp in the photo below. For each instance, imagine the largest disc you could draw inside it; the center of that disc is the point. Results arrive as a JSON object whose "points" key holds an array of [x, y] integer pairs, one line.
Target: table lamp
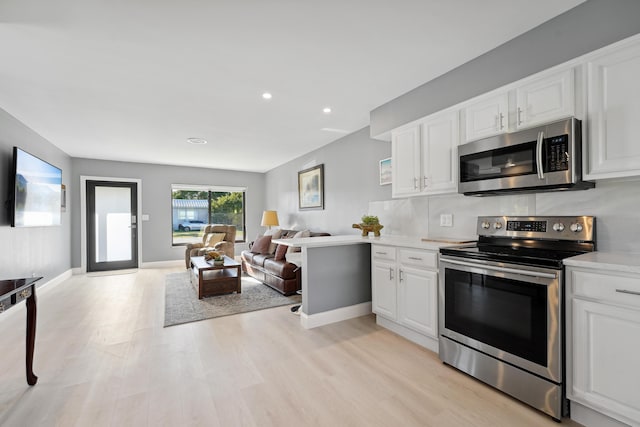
{"points": [[269, 218]]}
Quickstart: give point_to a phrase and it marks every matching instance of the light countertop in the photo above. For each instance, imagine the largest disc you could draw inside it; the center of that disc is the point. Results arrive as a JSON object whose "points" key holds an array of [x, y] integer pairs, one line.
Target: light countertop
{"points": [[613, 261], [400, 241]]}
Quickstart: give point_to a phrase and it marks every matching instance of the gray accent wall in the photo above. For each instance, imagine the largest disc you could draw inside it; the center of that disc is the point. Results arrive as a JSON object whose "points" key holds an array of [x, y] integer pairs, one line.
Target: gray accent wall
{"points": [[337, 277], [351, 181], [587, 27], [43, 251], [156, 201]]}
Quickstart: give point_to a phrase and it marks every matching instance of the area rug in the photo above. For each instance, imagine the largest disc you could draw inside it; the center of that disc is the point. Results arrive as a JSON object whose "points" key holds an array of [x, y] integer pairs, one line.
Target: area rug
{"points": [[181, 303]]}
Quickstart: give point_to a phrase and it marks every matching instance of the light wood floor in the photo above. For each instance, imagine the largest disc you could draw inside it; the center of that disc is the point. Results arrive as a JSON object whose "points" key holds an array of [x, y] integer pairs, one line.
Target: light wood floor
{"points": [[104, 359]]}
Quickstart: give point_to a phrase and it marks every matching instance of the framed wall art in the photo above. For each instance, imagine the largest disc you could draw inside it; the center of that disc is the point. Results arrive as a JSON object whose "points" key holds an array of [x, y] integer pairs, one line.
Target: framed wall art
{"points": [[385, 171], [311, 188]]}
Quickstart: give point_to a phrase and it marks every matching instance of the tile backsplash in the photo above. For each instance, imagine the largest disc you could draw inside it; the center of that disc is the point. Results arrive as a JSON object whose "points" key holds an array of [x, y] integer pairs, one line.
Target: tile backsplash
{"points": [[615, 204]]}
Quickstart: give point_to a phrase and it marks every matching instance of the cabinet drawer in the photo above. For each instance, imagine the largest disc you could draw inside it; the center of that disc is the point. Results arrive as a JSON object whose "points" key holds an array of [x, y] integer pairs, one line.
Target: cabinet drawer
{"points": [[383, 252], [608, 287], [418, 258]]}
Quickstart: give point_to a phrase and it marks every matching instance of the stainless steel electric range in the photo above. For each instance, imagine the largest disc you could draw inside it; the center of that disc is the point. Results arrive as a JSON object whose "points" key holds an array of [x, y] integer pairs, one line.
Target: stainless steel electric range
{"points": [[501, 305]]}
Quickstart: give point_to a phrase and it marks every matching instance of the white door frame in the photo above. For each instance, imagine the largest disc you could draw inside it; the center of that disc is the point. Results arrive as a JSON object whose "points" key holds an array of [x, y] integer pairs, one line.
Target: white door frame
{"points": [[83, 215]]}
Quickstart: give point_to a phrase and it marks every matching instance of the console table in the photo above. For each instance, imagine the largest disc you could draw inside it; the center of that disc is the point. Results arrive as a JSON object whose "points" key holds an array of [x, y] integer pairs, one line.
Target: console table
{"points": [[13, 291]]}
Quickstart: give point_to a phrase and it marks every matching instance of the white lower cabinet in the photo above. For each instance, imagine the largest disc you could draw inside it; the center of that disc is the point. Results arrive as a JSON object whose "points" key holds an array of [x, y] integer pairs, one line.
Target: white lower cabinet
{"points": [[417, 289], [603, 342], [404, 292]]}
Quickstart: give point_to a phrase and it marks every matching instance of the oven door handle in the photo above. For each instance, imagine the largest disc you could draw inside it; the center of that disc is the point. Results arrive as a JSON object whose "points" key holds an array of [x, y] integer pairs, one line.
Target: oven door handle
{"points": [[503, 269]]}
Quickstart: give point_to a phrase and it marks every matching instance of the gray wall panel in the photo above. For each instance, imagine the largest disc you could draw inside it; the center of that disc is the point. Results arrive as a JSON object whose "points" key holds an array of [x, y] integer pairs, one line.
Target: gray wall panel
{"points": [[338, 276], [351, 168], [156, 200], [45, 251], [587, 27]]}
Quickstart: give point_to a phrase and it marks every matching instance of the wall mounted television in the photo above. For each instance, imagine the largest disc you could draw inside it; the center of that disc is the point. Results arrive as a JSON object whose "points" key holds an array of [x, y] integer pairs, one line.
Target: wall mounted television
{"points": [[36, 191]]}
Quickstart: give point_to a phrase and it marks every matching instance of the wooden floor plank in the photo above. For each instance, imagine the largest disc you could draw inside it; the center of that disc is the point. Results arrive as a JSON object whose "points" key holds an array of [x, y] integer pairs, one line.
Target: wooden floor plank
{"points": [[103, 357]]}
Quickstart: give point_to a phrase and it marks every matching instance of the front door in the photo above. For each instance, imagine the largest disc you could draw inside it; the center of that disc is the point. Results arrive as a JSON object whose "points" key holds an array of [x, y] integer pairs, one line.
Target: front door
{"points": [[112, 218]]}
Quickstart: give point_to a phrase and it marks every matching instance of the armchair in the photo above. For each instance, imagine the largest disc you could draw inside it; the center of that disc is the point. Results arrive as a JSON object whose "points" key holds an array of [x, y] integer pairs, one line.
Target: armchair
{"points": [[227, 245]]}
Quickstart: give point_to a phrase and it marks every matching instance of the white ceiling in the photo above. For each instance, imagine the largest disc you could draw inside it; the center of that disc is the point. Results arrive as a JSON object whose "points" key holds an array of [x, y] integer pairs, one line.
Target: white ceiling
{"points": [[131, 80]]}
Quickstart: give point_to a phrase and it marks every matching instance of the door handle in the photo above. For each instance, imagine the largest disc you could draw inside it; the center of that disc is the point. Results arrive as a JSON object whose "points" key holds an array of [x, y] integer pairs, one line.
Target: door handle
{"points": [[519, 115], [539, 144]]}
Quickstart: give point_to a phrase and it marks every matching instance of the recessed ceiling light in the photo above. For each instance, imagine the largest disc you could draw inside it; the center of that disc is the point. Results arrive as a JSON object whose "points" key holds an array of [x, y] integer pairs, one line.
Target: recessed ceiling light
{"points": [[326, 110], [267, 95], [197, 141]]}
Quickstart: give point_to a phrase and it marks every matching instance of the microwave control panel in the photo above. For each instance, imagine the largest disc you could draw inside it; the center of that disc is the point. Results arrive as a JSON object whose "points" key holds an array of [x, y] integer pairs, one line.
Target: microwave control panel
{"points": [[557, 156]]}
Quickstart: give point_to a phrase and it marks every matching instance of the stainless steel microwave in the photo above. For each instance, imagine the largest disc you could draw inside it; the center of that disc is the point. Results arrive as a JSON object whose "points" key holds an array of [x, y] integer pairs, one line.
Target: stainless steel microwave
{"points": [[545, 158]]}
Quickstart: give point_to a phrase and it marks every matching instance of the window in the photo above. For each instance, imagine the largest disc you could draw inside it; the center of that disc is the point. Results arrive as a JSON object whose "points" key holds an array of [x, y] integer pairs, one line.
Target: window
{"points": [[193, 207]]}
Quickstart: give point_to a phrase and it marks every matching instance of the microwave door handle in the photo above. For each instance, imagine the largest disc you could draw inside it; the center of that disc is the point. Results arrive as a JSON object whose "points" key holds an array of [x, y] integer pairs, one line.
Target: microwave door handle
{"points": [[539, 154]]}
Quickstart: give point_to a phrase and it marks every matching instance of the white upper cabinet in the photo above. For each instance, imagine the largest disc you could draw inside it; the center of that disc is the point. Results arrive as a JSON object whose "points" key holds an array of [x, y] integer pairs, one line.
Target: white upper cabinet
{"points": [[405, 161], [424, 156], [613, 111], [487, 117], [545, 99], [440, 138]]}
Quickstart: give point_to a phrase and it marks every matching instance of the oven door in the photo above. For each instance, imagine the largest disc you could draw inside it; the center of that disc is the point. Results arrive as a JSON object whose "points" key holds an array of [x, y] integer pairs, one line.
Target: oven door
{"points": [[507, 311]]}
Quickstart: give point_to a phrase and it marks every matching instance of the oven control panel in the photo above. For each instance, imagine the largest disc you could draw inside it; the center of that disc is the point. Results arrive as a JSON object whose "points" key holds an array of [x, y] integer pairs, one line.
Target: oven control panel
{"points": [[579, 228], [539, 226]]}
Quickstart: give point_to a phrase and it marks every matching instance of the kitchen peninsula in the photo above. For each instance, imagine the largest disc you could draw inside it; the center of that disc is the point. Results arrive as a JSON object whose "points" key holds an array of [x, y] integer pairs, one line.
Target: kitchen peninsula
{"points": [[337, 273]]}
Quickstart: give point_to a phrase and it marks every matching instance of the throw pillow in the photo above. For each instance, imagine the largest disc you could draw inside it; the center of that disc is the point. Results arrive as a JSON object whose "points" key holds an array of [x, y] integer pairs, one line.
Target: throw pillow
{"points": [[275, 233], [281, 250], [303, 233], [214, 238], [261, 245]]}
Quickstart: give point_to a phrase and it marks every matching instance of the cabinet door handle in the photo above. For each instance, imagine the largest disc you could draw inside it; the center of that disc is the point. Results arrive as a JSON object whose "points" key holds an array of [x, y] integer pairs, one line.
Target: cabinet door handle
{"points": [[501, 121], [415, 258], [519, 115], [390, 273], [381, 253], [401, 275], [625, 291], [424, 180], [415, 183]]}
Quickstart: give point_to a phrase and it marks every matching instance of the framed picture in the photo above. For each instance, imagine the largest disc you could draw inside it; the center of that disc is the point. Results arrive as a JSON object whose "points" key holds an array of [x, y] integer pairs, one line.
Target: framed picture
{"points": [[385, 171], [311, 188]]}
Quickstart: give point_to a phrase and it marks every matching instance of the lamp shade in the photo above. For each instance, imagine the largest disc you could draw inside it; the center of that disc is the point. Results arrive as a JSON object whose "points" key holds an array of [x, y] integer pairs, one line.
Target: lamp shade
{"points": [[269, 218]]}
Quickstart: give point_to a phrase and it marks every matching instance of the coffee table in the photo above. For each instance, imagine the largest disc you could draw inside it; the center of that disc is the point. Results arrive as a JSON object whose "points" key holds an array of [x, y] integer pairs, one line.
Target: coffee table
{"points": [[210, 280]]}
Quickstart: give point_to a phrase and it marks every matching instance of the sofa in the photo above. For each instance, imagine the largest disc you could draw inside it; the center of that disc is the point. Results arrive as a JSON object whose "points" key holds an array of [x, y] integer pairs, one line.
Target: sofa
{"points": [[267, 262], [215, 237]]}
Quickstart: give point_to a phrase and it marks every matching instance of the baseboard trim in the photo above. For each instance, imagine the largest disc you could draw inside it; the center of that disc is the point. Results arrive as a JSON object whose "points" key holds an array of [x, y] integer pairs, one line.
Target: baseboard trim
{"points": [[310, 321], [163, 264], [591, 418], [56, 280], [422, 340], [76, 271]]}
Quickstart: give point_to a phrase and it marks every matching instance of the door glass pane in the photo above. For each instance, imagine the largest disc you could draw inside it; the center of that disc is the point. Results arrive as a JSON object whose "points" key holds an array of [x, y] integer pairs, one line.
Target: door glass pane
{"points": [[113, 224]]}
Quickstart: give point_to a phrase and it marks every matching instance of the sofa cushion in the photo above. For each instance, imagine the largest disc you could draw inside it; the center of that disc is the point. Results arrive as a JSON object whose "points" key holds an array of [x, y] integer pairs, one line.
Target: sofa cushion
{"points": [[261, 245], [282, 269], [259, 259]]}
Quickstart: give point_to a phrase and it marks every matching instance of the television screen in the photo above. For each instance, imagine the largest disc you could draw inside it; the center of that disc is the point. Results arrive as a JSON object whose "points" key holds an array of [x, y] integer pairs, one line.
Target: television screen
{"points": [[37, 191]]}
